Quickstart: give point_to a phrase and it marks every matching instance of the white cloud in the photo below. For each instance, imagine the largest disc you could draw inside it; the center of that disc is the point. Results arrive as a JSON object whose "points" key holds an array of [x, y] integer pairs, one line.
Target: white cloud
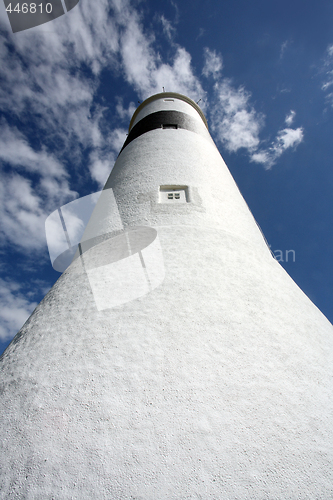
{"points": [[100, 170], [23, 211], [138, 58], [168, 29], [286, 138], [284, 47], [290, 118], [102, 160], [202, 31], [234, 121], [237, 125], [328, 70], [125, 114], [15, 150], [145, 70], [327, 84], [213, 63], [24, 206], [51, 83], [176, 78], [261, 157], [15, 309], [117, 139]]}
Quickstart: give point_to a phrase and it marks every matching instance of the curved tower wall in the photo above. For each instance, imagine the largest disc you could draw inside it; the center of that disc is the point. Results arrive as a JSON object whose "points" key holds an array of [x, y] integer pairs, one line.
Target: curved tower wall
{"points": [[186, 156], [212, 380]]}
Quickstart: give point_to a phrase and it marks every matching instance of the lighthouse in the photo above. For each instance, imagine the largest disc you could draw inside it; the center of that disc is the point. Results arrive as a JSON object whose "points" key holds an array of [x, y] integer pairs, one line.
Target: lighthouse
{"points": [[174, 358]]}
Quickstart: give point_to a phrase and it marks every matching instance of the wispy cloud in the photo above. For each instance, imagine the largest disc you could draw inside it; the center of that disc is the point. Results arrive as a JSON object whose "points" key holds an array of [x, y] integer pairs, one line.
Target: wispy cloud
{"points": [[234, 121], [15, 150], [286, 138], [290, 118], [168, 28], [237, 125], [202, 31], [24, 208], [213, 63], [102, 159], [124, 113], [24, 204], [284, 47], [328, 71], [148, 74]]}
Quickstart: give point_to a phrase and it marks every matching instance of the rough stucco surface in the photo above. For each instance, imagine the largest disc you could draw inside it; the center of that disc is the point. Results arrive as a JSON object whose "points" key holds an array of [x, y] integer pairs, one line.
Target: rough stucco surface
{"points": [[215, 385]]}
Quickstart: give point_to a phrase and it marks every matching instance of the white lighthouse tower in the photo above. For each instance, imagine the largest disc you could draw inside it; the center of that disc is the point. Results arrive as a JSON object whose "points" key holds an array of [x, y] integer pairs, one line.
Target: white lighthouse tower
{"points": [[174, 358]]}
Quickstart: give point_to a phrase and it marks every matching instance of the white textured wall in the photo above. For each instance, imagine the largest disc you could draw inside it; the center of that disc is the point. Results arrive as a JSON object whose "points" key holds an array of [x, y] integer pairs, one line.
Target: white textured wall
{"points": [[215, 385], [181, 157]]}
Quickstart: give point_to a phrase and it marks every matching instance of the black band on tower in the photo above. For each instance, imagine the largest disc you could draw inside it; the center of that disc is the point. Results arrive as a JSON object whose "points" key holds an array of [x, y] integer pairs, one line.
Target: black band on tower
{"points": [[166, 119]]}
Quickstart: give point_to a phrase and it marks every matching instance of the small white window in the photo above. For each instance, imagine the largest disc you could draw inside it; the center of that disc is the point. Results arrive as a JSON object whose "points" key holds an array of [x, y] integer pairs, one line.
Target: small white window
{"points": [[173, 194]]}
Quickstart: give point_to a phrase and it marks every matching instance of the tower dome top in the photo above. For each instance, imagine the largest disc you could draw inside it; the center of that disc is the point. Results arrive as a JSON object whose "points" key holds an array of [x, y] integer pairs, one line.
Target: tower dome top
{"points": [[167, 95]]}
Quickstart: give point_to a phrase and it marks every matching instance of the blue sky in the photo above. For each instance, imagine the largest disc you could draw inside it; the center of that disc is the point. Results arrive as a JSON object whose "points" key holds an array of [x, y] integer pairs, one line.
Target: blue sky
{"points": [[264, 73]]}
